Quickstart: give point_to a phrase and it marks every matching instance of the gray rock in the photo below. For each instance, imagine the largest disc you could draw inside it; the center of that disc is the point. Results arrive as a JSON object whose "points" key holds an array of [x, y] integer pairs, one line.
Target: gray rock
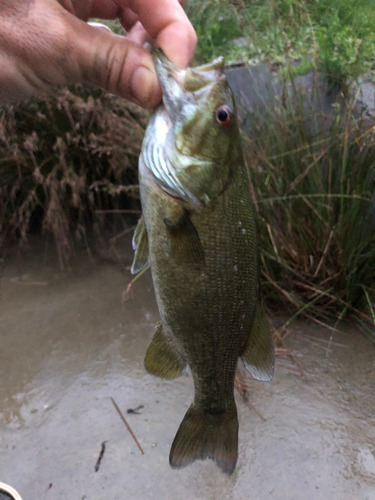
{"points": [[261, 87]]}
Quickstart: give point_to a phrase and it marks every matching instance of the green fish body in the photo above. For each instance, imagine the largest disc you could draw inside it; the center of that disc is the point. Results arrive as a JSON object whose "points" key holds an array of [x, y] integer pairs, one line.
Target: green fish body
{"points": [[198, 234]]}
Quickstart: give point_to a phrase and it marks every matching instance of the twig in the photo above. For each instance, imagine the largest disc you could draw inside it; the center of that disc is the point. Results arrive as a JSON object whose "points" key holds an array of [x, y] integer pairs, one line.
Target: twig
{"points": [[112, 243], [322, 324], [255, 201], [127, 426], [303, 174], [303, 308], [326, 349], [241, 386], [315, 211], [118, 211], [273, 242], [117, 255], [126, 294], [343, 312], [284, 292], [281, 351], [126, 231], [329, 342], [324, 254], [347, 306], [297, 363], [98, 462], [252, 407], [134, 411]]}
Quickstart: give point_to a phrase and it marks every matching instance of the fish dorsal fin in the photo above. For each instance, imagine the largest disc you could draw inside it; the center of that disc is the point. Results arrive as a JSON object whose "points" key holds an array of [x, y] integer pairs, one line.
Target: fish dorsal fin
{"points": [[259, 355], [162, 358], [140, 245], [184, 240]]}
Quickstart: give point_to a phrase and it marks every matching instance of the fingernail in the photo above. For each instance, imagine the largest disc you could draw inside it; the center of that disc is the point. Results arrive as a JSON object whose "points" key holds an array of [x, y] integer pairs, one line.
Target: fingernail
{"points": [[100, 26], [144, 86]]}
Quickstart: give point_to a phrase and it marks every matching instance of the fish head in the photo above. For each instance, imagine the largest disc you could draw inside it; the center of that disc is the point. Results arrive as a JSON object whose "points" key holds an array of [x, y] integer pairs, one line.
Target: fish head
{"points": [[196, 129]]}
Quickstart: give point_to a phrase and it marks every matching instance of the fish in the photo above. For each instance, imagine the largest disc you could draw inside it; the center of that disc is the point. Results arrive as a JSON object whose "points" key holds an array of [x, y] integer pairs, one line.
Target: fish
{"points": [[197, 232]]}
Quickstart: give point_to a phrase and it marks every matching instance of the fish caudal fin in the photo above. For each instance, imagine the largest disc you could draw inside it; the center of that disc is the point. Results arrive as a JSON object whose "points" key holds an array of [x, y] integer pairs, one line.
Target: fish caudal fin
{"points": [[204, 435]]}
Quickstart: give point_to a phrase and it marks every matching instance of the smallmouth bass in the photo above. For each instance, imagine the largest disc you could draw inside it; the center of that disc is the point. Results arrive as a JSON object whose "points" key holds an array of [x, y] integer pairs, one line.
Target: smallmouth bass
{"points": [[198, 234]]}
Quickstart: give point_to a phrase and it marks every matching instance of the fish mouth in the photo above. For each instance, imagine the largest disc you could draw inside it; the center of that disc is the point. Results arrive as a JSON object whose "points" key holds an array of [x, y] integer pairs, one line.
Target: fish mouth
{"points": [[182, 89], [180, 86]]}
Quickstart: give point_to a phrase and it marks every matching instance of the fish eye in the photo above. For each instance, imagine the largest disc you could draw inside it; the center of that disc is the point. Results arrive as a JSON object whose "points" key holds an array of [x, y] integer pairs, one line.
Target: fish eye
{"points": [[223, 116]]}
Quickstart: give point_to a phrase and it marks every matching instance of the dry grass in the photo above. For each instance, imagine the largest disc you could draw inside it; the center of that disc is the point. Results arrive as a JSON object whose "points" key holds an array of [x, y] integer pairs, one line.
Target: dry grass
{"points": [[64, 158], [313, 183]]}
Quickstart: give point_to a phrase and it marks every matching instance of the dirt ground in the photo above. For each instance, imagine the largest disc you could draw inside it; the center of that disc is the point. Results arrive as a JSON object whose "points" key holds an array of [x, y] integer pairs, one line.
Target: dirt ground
{"points": [[68, 344]]}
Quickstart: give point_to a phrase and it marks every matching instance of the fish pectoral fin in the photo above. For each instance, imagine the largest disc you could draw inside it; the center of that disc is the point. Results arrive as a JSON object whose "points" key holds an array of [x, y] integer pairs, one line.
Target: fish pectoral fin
{"points": [[140, 245], [184, 240], [204, 435], [162, 358], [259, 355]]}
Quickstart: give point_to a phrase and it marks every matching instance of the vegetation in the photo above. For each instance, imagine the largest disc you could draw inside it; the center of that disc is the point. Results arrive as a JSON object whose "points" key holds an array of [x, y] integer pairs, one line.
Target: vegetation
{"points": [[313, 185], [339, 35], [312, 179], [64, 162], [69, 160]]}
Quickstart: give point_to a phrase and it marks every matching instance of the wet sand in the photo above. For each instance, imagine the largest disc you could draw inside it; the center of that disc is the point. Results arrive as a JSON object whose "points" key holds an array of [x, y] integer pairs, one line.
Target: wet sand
{"points": [[69, 344]]}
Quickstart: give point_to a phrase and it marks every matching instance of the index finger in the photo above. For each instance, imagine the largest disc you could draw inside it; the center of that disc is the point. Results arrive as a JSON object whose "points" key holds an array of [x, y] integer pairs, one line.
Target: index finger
{"points": [[167, 23]]}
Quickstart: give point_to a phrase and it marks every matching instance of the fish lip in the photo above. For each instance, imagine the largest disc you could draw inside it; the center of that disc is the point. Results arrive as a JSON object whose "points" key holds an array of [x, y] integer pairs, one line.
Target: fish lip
{"points": [[171, 83], [182, 86]]}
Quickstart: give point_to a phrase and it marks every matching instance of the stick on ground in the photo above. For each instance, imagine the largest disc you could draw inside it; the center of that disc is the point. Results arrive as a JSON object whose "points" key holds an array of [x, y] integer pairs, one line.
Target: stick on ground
{"points": [[127, 426], [97, 465]]}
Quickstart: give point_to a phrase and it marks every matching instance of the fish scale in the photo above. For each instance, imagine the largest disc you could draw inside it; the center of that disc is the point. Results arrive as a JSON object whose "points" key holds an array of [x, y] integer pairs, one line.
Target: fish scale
{"points": [[198, 234]]}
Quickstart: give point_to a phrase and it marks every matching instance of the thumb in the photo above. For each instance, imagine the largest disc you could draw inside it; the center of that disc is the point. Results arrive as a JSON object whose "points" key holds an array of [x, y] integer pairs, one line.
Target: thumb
{"points": [[115, 63]]}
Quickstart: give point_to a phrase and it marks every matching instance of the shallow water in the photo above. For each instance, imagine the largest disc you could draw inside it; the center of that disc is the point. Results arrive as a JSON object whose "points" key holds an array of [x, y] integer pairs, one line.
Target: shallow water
{"points": [[69, 343]]}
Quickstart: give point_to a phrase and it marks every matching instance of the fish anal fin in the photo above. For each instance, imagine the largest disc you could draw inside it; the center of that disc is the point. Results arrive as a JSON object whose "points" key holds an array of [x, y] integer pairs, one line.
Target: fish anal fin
{"points": [[259, 355], [140, 245], [203, 435], [162, 358], [184, 240]]}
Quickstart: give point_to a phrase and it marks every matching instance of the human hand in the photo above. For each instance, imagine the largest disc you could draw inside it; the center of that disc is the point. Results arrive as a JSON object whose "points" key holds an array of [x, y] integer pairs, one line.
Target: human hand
{"points": [[44, 44]]}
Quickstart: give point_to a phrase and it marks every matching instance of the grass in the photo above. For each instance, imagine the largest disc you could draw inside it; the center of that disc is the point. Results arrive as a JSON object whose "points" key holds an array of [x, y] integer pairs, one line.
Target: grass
{"points": [[338, 35], [62, 160], [313, 185]]}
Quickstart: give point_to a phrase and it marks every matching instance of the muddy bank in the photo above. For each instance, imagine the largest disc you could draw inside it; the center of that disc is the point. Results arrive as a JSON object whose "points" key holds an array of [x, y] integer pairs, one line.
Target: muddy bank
{"points": [[69, 343]]}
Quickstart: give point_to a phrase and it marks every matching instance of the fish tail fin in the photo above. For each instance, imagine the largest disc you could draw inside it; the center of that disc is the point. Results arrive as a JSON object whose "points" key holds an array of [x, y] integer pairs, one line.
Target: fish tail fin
{"points": [[204, 435]]}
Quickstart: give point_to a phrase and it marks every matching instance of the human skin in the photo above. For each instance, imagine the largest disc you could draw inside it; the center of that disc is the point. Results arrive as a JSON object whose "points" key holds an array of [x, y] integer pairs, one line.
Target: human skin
{"points": [[46, 43]]}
